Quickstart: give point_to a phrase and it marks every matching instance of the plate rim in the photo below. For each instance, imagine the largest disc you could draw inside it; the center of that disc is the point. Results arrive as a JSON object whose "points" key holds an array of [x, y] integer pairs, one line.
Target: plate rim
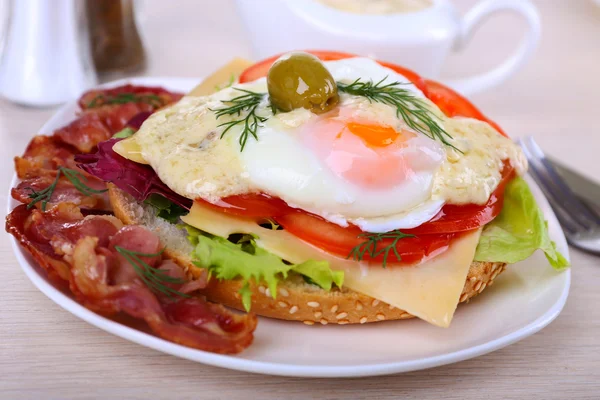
{"points": [[264, 367]]}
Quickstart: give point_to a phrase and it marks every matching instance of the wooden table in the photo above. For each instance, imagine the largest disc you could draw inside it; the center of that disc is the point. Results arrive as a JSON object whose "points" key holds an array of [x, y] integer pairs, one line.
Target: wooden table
{"points": [[46, 352]]}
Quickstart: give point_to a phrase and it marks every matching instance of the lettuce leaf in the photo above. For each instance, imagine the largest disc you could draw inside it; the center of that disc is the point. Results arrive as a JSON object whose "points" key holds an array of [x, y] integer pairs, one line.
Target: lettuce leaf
{"points": [[246, 261], [165, 208], [139, 180], [518, 231]]}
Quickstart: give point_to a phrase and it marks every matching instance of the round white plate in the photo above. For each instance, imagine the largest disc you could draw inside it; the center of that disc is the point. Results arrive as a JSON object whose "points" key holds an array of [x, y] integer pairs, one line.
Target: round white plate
{"points": [[523, 300]]}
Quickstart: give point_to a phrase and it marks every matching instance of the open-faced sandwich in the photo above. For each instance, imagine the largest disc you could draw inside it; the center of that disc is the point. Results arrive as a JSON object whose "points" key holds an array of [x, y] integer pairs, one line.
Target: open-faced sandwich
{"points": [[320, 187]]}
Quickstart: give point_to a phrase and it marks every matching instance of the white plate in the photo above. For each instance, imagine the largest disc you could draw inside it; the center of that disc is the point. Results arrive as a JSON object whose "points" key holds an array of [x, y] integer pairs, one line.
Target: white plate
{"points": [[523, 300]]}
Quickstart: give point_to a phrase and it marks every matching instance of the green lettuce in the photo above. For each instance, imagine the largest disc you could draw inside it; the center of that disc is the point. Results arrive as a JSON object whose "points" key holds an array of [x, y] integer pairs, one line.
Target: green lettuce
{"points": [[518, 231], [244, 260], [165, 208]]}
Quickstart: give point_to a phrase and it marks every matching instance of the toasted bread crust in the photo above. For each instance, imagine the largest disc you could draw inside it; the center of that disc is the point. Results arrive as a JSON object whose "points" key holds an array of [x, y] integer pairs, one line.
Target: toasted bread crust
{"points": [[296, 300]]}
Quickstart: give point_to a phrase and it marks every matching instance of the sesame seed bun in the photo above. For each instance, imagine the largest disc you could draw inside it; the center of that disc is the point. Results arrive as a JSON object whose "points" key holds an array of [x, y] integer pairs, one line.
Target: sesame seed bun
{"points": [[295, 300]]}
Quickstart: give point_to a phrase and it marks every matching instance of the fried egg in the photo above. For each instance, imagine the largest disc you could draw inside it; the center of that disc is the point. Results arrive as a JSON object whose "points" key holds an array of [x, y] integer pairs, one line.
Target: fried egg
{"points": [[359, 164]]}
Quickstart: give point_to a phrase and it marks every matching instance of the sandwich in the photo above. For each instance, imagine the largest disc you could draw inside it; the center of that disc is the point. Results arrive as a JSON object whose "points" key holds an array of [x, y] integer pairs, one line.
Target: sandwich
{"points": [[327, 188]]}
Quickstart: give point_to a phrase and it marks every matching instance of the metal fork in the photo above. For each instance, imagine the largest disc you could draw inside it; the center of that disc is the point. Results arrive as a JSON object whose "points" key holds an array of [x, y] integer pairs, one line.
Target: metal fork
{"points": [[580, 223]]}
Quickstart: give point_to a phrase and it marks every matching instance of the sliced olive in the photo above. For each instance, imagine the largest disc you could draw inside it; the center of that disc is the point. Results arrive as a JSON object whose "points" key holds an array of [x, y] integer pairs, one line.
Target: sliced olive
{"points": [[300, 80]]}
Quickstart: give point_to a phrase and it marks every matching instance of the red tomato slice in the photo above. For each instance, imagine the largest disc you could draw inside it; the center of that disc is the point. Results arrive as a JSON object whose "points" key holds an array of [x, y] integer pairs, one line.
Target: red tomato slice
{"points": [[337, 240], [256, 205], [460, 218]]}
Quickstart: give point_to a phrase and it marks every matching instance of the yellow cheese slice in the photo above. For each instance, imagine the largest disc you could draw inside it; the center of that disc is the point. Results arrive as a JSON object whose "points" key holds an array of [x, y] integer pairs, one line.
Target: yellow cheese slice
{"points": [[224, 76], [429, 291], [221, 78]]}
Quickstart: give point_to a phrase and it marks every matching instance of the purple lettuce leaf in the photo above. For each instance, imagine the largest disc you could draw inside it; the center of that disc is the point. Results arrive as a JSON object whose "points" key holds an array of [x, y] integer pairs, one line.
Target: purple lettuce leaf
{"points": [[139, 180]]}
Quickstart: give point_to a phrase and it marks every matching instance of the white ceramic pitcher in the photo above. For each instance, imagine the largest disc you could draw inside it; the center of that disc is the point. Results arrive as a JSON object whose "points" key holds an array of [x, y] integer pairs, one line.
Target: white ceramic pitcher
{"points": [[419, 40]]}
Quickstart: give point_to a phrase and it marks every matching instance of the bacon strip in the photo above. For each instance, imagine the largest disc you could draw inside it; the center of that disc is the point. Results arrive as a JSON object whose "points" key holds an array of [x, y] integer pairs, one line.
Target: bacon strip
{"points": [[84, 133], [63, 192], [44, 154], [82, 252], [115, 116]]}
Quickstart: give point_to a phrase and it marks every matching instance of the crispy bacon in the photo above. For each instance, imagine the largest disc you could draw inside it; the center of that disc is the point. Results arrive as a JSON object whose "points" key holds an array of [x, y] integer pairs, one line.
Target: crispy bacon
{"points": [[84, 133], [43, 155], [115, 107], [64, 192], [83, 252]]}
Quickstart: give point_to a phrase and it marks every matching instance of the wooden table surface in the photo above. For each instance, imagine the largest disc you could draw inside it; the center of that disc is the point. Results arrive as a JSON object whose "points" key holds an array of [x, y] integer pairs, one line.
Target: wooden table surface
{"points": [[45, 352]]}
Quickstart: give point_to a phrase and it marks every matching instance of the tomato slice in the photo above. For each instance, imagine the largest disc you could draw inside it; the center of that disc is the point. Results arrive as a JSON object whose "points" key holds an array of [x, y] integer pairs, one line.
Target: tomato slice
{"points": [[460, 218], [255, 205], [340, 241]]}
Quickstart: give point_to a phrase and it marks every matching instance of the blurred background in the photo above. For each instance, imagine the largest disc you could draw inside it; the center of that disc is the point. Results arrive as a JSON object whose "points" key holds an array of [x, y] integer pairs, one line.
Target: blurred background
{"points": [[552, 96]]}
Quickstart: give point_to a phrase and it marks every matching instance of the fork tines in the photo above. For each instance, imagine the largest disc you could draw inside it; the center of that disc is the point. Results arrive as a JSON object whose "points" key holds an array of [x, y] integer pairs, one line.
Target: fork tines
{"points": [[574, 215]]}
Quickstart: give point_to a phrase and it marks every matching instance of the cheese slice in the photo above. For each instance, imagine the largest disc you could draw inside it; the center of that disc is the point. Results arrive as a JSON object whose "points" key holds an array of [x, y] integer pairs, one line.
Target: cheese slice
{"points": [[224, 76], [430, 291]]}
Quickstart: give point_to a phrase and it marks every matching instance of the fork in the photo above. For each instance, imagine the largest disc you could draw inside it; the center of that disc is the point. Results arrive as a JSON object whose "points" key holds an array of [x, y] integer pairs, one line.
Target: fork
{"points": [[580, 223]]}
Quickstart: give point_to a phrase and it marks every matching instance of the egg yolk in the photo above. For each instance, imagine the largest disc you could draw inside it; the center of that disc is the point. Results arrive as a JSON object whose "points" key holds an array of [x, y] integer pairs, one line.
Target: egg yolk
{"points": [[365, 154], [377, 135]]}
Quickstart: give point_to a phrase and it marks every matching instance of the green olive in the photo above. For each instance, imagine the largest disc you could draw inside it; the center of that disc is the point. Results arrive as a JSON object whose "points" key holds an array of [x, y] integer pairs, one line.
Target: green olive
{"points": [[300, 80]]}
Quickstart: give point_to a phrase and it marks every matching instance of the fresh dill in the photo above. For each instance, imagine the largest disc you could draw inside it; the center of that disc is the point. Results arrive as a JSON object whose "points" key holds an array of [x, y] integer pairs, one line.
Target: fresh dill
{"points": [[371, 246], [243, 106], [154, 278], [124, 98], [72, 175], [410, 108]]}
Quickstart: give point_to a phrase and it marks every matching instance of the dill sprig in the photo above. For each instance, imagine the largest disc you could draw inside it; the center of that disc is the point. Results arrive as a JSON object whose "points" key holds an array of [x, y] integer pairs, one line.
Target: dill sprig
{"points": [[371, 244], [244, 106], [413, 110], [154, 278], [124, 98], [72, 175]]}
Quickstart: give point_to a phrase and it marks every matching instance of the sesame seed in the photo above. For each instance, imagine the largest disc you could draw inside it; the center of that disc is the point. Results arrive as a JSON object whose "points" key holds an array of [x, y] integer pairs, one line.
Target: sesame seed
{"points": [[380, 317], [267, 292], [494, 275], [341, 315], [284, 292], [334, 308], [359, 305], [282, 304], [482, 287], [391, 307], [318, 314], [405, 315], [472, 279], [323, 321], [307, 322], [478, 286], [375, 303], [293, 309], [313, 304], [463, 297], [363, 320], [261, 289], [343, 322]]}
